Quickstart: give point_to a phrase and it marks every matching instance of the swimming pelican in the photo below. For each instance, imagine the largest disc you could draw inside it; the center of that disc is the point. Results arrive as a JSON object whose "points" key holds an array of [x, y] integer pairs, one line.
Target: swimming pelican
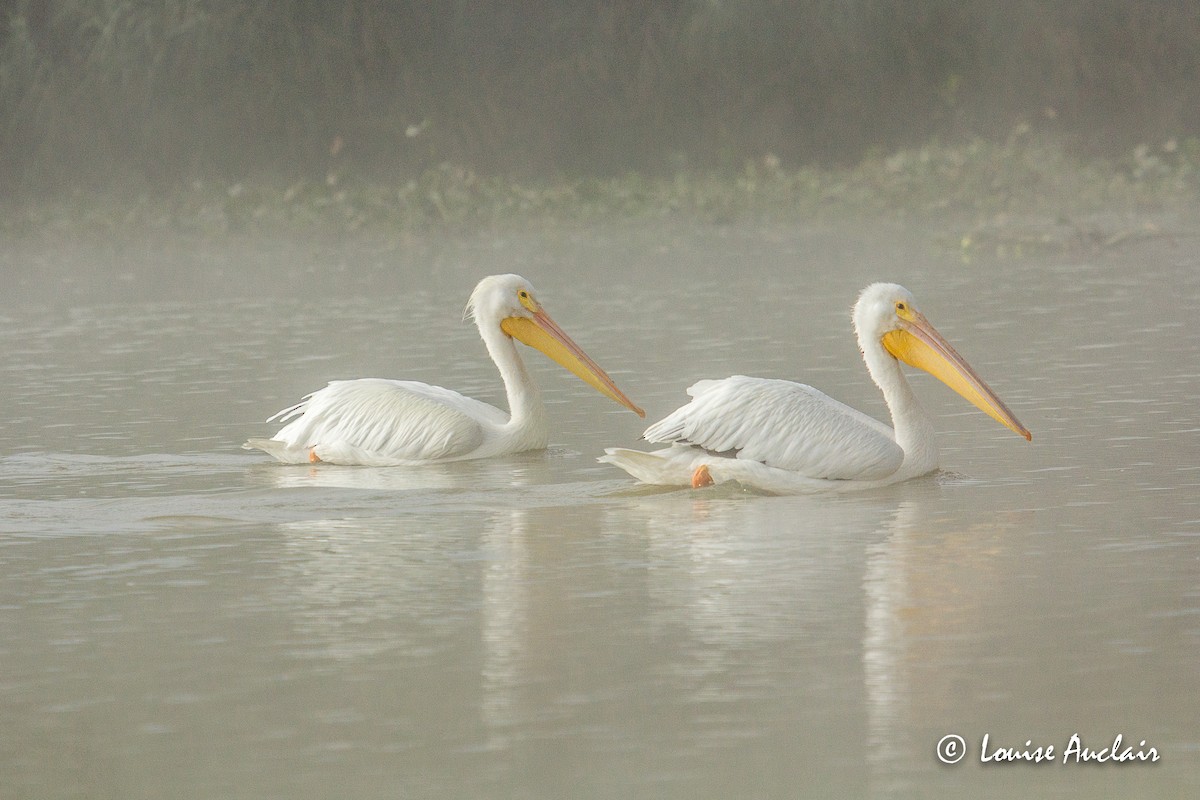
{"points": [[378, 422], [788, 437]]}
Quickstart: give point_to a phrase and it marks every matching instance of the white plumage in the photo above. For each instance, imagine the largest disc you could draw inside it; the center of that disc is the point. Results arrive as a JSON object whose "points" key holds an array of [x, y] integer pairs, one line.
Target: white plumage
{"points": [[784, 425], [783, 436], [379, 422], [382, 422]]}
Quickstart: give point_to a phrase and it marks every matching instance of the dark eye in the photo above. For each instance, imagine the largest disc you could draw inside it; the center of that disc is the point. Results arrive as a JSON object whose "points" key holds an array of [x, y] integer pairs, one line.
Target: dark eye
{"points": [[900, 306], [524, 295]]}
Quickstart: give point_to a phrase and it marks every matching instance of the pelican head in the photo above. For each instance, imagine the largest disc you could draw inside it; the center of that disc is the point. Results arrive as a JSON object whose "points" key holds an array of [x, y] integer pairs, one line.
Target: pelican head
{"points": [[508, 302], [886, 315]]}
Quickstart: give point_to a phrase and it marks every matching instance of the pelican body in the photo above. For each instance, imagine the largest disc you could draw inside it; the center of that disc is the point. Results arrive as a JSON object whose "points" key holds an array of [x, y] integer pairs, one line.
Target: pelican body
{"points": [[378, 422], [781, 436]]}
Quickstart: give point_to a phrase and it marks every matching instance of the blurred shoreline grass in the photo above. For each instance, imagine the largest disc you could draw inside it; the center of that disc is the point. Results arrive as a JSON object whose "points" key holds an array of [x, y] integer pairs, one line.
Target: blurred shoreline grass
{"points": [[531, 100], [1023, 193]]}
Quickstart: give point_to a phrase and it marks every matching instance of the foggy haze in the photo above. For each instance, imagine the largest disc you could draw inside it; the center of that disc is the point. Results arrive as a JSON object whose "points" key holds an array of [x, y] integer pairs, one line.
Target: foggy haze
{"points": [[97, 91]]}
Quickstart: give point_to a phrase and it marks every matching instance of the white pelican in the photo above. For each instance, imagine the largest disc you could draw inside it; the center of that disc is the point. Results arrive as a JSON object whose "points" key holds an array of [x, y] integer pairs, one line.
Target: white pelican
{"points": [[378, 422], [788, 437]]}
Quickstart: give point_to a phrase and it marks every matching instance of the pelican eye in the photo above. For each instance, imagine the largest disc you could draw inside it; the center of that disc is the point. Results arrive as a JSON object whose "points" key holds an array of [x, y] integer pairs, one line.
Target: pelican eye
{"points": [[900, 306], [526, 299]]}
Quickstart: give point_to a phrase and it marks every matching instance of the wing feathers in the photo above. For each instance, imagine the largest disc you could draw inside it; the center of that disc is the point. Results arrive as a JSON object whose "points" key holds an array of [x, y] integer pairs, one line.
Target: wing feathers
{"points": [[395, 420], [782, 424]]}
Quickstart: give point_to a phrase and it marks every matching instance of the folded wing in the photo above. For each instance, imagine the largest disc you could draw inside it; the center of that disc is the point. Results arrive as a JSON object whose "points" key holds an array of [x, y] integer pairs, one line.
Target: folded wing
{"points": [[783, 424], [385, 421]]}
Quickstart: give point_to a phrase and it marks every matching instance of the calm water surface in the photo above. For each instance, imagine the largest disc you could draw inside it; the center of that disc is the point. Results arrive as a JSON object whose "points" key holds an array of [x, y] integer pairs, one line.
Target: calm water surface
{"points": [[184, 619]]}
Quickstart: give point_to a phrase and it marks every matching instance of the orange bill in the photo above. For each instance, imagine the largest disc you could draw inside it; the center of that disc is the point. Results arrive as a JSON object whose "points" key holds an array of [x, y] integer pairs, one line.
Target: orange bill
{"points": [[919, 345], [542, 333]]}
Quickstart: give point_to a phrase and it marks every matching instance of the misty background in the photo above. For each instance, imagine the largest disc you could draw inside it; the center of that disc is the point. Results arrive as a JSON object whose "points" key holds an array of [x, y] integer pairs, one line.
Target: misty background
{"points": [[210, 208], [104, 94]]}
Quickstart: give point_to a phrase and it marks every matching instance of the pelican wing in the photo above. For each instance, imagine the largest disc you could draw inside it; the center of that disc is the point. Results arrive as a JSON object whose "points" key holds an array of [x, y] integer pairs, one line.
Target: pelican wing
{"points": [[373, 420], [782, 424]]}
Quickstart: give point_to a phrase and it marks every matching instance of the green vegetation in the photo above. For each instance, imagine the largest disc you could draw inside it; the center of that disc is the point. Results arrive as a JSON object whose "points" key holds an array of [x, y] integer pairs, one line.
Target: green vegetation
{"points": [[977, 188], [219, 116], [160, 93]]}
